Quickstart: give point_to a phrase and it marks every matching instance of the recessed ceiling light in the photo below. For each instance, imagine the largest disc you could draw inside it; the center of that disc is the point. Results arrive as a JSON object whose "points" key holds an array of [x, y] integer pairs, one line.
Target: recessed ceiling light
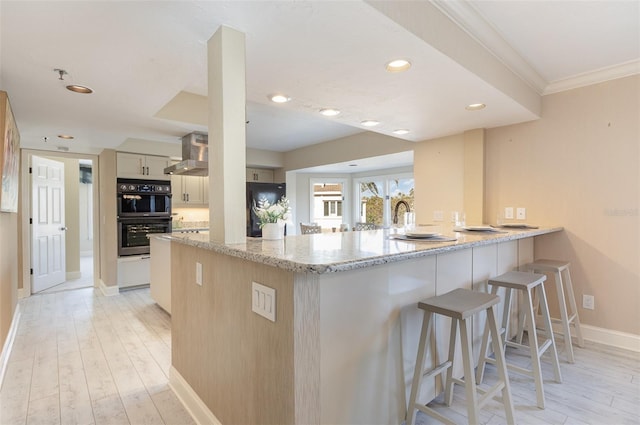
{"points": [[398, 65], [370, 123], [79, 89], [279, 98], [401, 131], [475, 106], [329, 112], [65, 136]]}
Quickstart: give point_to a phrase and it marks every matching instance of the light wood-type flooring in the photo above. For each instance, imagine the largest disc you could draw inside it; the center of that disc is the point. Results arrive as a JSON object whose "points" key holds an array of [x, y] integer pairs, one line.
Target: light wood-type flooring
{"points": [[602, 387], [82, 358]]}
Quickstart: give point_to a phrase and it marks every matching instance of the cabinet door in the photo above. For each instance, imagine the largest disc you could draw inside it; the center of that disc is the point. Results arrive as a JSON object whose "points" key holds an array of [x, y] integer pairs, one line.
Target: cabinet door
{"points": [[177, 193], [205, 190], [261, 175], [192, 187], [137, 166], [129, 165], [154, 167]]}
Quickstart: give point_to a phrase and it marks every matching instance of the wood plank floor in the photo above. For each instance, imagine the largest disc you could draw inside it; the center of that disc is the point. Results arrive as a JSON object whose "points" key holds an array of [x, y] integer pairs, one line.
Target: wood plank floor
{"points": [[82, 358], [602, 387]]}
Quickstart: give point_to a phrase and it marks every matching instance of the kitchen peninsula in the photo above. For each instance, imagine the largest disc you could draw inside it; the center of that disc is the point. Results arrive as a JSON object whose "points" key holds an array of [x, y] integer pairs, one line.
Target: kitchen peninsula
{"points": [[343, 343]]}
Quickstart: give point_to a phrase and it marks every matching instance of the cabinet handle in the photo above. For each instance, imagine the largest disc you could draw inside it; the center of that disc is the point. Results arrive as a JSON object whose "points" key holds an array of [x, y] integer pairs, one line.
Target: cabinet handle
{"points": [[187, 197]]}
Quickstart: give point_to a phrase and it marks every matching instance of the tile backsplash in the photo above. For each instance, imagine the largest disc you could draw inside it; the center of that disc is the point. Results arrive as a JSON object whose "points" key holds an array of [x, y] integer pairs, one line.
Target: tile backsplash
{"points": [[190, 217]]}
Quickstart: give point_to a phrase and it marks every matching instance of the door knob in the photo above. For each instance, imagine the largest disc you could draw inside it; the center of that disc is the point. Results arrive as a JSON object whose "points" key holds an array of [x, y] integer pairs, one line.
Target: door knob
{"points": [[63, 228]]}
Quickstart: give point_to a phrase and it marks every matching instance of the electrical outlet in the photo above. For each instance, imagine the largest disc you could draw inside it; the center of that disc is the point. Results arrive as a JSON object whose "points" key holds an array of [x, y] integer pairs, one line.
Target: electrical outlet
{"points": [[438, 216], [199, 273], [588, 302], [521, 213], [508, 213], [263, 301]]}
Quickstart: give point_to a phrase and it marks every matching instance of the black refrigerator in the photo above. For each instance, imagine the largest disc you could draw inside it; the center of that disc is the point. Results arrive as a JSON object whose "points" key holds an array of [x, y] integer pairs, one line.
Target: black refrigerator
{"points": [[256, 191]]}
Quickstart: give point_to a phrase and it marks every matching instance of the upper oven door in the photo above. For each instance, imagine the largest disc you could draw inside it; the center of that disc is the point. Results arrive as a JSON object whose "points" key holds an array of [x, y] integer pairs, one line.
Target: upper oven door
{"points": [[139, 198], [144, 205]]}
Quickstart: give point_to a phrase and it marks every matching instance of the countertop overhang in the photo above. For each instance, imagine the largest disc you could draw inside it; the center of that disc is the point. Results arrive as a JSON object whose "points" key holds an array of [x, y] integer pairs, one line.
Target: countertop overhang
{"points": [[338, 252]]}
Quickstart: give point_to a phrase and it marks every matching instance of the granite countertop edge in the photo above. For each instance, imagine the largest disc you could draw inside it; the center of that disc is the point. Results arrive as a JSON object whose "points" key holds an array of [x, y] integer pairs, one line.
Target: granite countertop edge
{"points": [[423, 249]]}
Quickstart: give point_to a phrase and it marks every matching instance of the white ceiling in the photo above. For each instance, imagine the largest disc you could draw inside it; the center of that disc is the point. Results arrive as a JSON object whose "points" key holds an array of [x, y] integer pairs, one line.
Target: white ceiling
{"points": [[139, 55]]}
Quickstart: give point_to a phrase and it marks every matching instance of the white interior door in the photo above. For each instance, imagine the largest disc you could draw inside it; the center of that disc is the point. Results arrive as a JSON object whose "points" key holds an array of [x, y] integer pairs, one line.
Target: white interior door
{"points": [[48, 228]]}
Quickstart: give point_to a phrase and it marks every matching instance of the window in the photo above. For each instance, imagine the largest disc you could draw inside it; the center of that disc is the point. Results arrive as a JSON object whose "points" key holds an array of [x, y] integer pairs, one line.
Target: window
{"points": [[379, 197], [327, 197]]}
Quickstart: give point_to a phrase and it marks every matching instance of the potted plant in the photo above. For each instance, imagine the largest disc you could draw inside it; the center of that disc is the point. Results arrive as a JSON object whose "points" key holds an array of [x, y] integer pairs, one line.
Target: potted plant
{"points": [[272, 217]]}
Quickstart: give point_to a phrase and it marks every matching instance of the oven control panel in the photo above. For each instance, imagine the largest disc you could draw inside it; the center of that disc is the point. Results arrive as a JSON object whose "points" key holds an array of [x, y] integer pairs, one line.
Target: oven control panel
{"points": [[135, 186]]}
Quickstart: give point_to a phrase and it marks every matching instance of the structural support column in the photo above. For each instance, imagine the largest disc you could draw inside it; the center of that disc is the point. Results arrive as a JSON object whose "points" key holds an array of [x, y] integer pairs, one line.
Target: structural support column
{"points": [[227, 139], [474, 176]]}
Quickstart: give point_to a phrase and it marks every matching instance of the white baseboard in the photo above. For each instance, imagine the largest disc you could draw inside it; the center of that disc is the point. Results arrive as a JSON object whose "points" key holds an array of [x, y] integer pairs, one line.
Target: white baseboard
{"points": [[194, 405], [604, 336], [108, 291], [8, 344], [609, 337], [23, 293]]}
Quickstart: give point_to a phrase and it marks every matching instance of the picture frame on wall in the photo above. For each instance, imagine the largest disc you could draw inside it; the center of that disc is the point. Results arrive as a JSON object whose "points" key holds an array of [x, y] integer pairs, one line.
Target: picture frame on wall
{"points": [[9, 157]]}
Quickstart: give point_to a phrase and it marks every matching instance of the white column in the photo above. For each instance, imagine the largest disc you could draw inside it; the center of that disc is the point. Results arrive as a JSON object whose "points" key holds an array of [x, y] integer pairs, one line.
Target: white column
{"points": [[227, 151]]}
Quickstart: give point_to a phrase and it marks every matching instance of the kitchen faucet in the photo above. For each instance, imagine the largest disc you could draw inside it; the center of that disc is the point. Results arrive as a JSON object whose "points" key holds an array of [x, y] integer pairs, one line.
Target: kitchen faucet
{"points": [[395, 211]]}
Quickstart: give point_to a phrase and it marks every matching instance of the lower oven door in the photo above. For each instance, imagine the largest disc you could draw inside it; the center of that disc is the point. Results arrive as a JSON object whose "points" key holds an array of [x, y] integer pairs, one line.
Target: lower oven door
{"points": [[132, 234]]}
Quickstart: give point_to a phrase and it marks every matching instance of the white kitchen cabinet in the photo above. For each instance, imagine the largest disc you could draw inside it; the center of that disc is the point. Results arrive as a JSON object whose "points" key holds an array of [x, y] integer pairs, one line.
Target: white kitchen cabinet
{"points": [[161, 272], [138, 166], [189, 190], [261, 175], [133, 271]]}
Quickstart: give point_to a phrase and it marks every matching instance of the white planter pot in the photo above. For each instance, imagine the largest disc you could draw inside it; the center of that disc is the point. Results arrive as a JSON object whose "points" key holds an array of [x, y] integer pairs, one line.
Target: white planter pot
{"points": [[273, 231]]}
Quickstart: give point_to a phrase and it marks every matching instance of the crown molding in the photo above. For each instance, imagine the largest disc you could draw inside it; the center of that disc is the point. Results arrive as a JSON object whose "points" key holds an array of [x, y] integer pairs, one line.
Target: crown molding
{"points": [[467, 17], [625, 69]]}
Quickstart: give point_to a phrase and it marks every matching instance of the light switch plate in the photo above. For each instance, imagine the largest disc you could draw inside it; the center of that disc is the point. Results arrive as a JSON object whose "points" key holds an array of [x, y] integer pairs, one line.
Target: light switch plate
{"points": [[508, 213], [438, 216], [521, 213], [199, 273], [263, 301]]}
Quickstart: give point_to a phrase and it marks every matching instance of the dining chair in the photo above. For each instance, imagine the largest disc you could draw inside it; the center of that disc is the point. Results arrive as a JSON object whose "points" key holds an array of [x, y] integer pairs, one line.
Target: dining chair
{"points": [[309, 228], [365, 226]]}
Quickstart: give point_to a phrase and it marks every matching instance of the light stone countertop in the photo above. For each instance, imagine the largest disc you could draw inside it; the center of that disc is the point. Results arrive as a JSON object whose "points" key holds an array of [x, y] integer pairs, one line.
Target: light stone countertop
{"points": [[336, 252]]}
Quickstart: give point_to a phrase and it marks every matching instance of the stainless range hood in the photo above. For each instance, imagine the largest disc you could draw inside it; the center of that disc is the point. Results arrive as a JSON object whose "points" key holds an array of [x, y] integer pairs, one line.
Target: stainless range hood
{"points": [[195, 156]]}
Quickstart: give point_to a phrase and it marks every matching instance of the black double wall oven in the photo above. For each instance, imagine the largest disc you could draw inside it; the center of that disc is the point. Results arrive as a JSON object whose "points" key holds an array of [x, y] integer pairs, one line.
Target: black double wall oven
{"points": [[144, 207]]}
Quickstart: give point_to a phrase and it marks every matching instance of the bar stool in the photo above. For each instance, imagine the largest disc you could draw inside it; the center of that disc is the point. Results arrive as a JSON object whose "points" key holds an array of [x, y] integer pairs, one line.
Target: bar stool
{"points": [[557, 268], [527, 283], [460, 305]]}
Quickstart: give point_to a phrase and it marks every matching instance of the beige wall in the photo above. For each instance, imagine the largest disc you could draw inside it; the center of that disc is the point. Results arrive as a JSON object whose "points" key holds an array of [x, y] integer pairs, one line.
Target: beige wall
{"points": [[8, 271], [438, 171], [578, 167], [108, 219], [9, 255]]}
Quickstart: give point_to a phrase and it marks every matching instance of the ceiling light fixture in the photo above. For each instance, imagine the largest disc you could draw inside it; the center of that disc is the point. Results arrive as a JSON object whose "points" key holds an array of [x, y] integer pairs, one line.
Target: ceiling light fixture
{"points": [[329, 112], [79, 89], [401, 131], [370, 123], [279, 98], [475, 106], [398, 65], [65, 136]]}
